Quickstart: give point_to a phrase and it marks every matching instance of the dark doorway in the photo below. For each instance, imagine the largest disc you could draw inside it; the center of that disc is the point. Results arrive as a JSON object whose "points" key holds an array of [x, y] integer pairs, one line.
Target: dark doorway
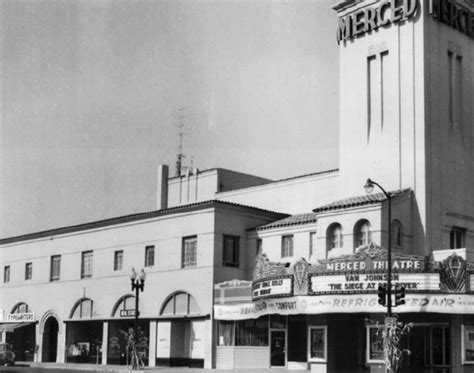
{"points": [[50, 340], [277, 348], [429, 347], [297, 338], [346, 343]]}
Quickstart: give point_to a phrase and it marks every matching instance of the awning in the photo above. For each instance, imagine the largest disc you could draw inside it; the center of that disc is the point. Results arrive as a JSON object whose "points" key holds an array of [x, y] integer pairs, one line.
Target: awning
{"points": [[344, 303], [10, 326]]}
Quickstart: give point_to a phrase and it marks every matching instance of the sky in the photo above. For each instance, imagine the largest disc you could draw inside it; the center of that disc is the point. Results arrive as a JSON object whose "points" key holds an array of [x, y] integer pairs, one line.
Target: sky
{"points": [[91, 92]]}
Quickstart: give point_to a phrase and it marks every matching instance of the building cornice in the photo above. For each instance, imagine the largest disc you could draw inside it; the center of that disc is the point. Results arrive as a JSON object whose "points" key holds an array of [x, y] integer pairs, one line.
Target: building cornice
{"points": [[137, 217]]}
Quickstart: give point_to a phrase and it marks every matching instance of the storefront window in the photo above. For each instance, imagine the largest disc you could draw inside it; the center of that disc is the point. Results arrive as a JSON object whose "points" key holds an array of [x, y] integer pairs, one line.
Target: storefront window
{"points": [[225, 330], [22, 340], [84, 342], [119, 351], [83, 338], [468, 344], [317, 343], [252, 332], [375, 347]]}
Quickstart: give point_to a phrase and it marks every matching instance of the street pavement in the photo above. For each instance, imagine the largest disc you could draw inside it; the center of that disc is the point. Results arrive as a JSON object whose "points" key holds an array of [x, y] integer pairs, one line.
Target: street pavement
{"points": [[91, 368]]}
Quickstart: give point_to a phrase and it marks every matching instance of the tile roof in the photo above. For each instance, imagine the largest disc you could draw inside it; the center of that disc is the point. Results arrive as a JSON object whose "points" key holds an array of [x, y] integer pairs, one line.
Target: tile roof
{"points": [[293, 220], [367, 199], [133, 217]]}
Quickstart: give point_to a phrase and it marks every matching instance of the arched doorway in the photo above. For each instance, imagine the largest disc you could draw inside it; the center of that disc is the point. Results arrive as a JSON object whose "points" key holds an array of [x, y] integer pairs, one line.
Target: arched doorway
{"points": [[50, 340]]}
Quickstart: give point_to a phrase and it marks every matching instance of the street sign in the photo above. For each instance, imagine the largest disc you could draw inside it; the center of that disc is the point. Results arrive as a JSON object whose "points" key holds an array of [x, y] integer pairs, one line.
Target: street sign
{"points": [[127, 313]]}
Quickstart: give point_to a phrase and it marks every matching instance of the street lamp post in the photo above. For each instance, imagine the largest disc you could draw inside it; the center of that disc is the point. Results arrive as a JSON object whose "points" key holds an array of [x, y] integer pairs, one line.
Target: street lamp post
{"points": [[369, 187], [138, 284]]}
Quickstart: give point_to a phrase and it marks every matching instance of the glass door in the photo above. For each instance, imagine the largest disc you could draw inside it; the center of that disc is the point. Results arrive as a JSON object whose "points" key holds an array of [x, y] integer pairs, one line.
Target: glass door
{"points": [[278, 348]]}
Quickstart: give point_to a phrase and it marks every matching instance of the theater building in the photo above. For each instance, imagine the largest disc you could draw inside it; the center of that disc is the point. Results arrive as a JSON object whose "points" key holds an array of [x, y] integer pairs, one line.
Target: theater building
{"points": [[246, 272]]}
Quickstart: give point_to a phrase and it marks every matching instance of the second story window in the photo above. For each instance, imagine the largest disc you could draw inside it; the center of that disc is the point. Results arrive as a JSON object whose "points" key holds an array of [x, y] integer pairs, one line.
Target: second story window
{"points": [[397, 234], [149, 256], [118, 260], [312, 243], [362, 233], [287, 246], [230, 256], [86, 264], [259, 245], [55, 267], [457, 238], [189, 252], [334, 236], [28, 271], [6, 274]]}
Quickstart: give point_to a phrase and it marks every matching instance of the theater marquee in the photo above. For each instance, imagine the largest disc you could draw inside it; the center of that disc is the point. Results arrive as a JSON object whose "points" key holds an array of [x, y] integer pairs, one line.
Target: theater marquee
{"points": [[350, 284]]}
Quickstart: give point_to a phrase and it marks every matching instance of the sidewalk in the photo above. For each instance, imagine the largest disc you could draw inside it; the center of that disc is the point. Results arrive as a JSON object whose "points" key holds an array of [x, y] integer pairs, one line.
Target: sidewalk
{"points": [[123, 369]]}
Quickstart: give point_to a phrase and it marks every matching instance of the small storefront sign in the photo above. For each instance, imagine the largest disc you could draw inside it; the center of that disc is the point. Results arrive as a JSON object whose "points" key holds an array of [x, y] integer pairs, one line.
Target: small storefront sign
{"points": [[275, 287], [127, 313], [21, 317]]}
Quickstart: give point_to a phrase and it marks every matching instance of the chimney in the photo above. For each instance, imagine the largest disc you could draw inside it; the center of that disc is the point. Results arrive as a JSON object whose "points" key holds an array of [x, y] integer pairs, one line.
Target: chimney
{"points": [[162, 187]]}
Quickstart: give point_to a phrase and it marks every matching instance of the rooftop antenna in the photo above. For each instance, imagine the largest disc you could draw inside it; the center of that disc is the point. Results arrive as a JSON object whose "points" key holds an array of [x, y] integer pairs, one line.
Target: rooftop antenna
{"points": [[180, 125]]}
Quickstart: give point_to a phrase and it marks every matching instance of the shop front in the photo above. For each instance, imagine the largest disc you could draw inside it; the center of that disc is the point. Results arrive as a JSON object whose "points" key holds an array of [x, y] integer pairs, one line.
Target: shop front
{"points": [[326, 316], [84, 342], [180, 332], [121, 329], [19, 329], [84, 334]]}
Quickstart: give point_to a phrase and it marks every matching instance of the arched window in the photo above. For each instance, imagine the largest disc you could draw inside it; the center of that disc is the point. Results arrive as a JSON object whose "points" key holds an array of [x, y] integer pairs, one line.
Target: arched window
{"points": [[82, 309], [397, 234], [362, 233], [20, 308], [180, 303], [125, 303], [334, 236]]}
